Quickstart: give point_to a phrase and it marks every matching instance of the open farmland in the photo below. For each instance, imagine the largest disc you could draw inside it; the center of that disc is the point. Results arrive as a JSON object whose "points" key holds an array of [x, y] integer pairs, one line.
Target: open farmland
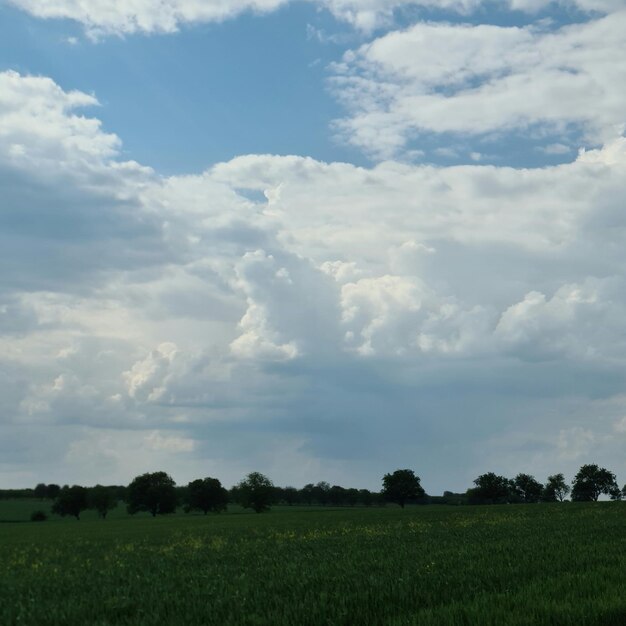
{"points": [[526, 564]]}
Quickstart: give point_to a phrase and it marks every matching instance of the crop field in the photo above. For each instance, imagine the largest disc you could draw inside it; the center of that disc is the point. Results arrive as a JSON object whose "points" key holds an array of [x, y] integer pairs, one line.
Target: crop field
{"points": [[525, 564]]}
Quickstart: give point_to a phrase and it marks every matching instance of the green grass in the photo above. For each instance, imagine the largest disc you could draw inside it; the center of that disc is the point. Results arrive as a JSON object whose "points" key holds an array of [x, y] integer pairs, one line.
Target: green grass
{"points": [[542, 564]]}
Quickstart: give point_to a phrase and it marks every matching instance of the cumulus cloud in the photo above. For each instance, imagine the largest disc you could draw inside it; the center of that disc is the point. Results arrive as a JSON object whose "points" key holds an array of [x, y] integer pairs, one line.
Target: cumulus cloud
{"points": [[480, 80], [386, 313], [105, 17], [147, 378], [39, 124], [565, 325], [119, 17], [65, 191]]}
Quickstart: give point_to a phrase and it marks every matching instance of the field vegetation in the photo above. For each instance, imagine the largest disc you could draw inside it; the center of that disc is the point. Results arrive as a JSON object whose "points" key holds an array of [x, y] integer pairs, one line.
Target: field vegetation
{"points": [[559, 563]]}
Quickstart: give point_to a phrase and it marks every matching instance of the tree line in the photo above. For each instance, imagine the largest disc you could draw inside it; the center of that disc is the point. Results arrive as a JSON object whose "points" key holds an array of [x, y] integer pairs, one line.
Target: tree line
{"points": [[158, 494]]}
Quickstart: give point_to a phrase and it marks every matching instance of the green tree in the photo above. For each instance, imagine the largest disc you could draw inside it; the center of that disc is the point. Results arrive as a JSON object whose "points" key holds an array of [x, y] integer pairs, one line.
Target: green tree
{"points": [[52, 491], [307, 493], [527, 488], [366, 497], [591, 482], [41, 491], [102, 499], [352, 496], [155, 493], [290, 495], [256, 492], [491, 489], [206, 494], [337, 495], [70, 501], [402, 486], [321, 493], [556, 489]]}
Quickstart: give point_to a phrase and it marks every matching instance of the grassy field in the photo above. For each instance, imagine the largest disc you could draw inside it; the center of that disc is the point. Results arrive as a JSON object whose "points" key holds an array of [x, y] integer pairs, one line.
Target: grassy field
{"points": [[526, 564]]}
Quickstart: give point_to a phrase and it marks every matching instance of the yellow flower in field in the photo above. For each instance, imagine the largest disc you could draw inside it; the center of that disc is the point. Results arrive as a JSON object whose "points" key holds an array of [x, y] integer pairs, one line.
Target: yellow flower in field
{"points": [[217, 543]]}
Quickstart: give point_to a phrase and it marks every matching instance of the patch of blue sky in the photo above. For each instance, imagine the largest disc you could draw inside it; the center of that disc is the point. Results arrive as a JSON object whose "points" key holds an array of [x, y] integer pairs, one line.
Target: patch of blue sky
{"points": [[254, 84], [496, 13], [181, 102], [535, 146]]}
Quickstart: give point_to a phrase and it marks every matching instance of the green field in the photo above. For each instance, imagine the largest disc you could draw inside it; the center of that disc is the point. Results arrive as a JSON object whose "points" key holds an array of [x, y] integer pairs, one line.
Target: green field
{"points": [[524, 564]]}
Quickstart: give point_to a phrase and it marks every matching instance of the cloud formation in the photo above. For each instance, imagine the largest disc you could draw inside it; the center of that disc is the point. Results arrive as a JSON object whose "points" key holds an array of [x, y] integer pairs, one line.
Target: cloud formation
{"points": [[65, 192], [120, 17], [454, 319], [484, 81]]}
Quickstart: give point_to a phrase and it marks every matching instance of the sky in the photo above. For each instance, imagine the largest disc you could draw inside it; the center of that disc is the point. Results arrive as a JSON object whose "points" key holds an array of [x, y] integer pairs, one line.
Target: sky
{"points": [[320, 239]]}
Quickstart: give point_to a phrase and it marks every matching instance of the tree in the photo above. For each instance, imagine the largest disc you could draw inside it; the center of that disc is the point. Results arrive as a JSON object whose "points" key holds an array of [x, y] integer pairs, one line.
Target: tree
{"points": [[527, 488], [491, 489], [102, 499], [121, 492], [366, 497], [402, 486], [155, 493], [307, 493], [290, 495], [592, 481], [52, 491], [337, 495], [206, 494], [70, 501], [351, 496], [256, 492], [321, 493], [41, 491], [556, 489]]}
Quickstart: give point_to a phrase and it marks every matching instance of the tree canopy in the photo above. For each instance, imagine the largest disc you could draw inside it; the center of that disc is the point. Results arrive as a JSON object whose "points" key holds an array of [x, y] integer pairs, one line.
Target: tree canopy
{"points": [[402, 486], [102, 499], [527, 488], [491, 489], [256, 492], [206, 494], [556, 489], [593, 481], [70, 501], [155, 493]]}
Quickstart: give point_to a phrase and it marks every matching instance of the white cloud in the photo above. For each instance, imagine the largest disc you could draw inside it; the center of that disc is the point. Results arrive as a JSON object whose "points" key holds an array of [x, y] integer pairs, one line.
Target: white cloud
{"points": [[477, 300], [620, 425], [66, 192], [38, 124], [563, 326], [476, 80], [106, 17], [557, 148], [147, 378], [575, 443], [157, 442]]}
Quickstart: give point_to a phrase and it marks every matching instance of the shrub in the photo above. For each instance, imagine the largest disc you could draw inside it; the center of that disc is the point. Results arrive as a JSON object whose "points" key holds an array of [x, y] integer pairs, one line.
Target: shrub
{"points": [[38, 516]]}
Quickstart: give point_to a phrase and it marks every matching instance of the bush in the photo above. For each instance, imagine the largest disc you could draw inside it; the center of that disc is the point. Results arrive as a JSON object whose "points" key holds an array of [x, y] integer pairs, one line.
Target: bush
{"points": [[38, 516]]}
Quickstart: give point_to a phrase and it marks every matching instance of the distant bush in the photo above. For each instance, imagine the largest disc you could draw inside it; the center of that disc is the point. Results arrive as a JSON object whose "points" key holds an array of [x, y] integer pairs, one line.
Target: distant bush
{"points": [[38, 516]]}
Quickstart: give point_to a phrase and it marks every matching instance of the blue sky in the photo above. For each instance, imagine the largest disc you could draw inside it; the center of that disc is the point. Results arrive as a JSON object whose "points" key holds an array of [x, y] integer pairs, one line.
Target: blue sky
{"points": [[321, 240], [243, 86], [254, 84]]}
